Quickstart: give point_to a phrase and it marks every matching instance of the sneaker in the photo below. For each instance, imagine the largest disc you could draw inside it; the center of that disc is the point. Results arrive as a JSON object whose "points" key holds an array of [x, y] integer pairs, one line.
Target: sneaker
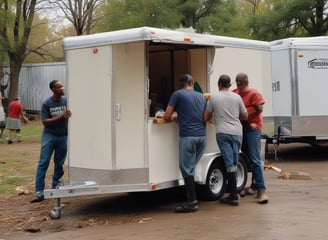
{"points": [[262, 196], [39, 197], [231, 200], [187, 207], [250, 191]]}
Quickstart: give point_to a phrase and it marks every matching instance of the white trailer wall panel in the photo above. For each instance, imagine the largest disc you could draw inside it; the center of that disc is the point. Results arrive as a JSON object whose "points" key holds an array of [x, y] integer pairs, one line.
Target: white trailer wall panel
{"points": [[255, 62], [312, 70], [90, 126], [129, 97], [299, 80], [281, 76]]}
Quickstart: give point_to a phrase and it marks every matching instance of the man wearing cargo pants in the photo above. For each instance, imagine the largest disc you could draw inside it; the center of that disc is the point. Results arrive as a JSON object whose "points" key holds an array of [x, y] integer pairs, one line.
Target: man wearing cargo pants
{"points": [[190, 106], [254, 102], [54, 116]]}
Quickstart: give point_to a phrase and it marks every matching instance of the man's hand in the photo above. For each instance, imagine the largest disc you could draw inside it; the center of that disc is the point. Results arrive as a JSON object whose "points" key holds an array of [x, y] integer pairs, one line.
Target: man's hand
{"points": [[67, 114]]}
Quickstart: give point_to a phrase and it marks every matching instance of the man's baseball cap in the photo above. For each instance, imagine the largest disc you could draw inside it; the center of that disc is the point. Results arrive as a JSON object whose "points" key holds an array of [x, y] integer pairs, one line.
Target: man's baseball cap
{"points": [[186, 78]]}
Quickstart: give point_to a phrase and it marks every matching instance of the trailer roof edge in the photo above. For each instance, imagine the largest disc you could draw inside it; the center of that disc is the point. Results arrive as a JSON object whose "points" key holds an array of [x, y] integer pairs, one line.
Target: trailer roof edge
{"points": [[296, 42], [160, 35]]}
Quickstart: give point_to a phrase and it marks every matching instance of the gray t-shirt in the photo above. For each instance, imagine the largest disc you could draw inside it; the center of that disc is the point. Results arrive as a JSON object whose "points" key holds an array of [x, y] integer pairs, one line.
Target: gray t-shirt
{"points": [[226, 107]]}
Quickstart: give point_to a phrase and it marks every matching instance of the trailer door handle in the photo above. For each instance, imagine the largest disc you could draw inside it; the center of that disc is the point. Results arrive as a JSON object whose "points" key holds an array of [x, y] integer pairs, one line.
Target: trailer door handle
{"points": [[117, 112]]}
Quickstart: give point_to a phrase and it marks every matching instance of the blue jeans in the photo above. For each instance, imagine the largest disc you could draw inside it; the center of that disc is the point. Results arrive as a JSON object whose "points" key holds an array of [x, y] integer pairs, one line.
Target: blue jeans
{"points": [[191, 150], [51, 144], [252, 147], [229, 146]]}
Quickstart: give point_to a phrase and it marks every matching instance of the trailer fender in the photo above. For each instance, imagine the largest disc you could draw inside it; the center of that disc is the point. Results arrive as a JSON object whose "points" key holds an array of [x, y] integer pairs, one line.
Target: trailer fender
{"points": [[203, 166]]}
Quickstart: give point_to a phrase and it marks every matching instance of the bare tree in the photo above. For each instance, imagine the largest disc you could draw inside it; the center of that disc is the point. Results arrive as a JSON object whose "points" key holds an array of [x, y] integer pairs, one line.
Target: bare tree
{"points": [[81, 13], [15, 27]]}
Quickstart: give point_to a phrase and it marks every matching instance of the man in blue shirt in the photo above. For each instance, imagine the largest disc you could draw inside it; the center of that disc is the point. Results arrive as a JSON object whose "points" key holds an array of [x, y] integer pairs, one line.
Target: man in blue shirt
{"points": [[190, 106], [54, 116]]}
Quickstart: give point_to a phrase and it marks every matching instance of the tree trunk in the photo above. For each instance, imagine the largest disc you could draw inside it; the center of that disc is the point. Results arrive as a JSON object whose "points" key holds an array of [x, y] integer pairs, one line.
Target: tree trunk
{"points": [[15, 67]]}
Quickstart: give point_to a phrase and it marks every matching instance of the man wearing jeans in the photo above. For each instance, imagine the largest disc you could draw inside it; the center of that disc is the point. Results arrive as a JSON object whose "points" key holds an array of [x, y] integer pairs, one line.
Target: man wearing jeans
{"points": [[54, 116], [228, 108], [190, 106], [252, 128]]}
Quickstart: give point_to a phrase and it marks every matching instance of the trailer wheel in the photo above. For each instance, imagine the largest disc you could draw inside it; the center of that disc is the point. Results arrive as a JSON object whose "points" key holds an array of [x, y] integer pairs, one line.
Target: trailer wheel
{"points": [[242, 173], [215, 181], [56, 212]]}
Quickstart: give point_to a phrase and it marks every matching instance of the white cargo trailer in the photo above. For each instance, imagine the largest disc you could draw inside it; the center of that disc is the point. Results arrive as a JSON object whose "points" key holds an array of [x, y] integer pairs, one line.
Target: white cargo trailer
{"points": [[299, 84], [115, 82]]}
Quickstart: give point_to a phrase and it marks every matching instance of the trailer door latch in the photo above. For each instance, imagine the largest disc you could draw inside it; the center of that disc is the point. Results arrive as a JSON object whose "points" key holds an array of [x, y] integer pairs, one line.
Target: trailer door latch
{"points": [[117, 112]]}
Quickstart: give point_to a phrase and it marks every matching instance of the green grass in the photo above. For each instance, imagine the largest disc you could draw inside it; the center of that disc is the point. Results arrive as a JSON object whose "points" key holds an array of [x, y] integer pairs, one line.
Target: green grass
{"points": [[31, 132], [18, 161]]}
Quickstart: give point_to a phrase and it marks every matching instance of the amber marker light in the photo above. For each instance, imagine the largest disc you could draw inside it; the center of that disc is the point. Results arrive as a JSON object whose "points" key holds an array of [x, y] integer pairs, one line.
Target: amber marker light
{"points": [[186, 39]]}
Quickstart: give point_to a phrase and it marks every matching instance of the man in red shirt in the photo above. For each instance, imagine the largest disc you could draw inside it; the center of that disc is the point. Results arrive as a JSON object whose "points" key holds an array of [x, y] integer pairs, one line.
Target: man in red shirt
{"points": [[252, 128], [13, 123]]}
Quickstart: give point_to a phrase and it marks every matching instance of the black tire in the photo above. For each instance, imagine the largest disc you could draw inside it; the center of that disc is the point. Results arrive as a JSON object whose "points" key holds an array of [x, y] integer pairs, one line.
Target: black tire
{"points": [[215, 185], [242, 173]]}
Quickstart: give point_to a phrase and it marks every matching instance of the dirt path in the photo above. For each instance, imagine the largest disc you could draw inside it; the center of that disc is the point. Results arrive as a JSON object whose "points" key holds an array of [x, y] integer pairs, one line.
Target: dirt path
{"points": [[296, 210]]}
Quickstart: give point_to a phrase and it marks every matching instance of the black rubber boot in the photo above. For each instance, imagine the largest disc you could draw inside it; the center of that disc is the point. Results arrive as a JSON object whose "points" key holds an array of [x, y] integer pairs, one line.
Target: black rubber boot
{"points": [[232, 183], [190, 188], [232, 199], [191, 204]]}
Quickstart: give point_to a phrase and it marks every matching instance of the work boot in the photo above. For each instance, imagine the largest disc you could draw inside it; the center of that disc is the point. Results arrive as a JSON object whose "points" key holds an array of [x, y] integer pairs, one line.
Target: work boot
{"points": [[187, 207], [231, 200], [262, 197], [39, 197], [250, 191]]}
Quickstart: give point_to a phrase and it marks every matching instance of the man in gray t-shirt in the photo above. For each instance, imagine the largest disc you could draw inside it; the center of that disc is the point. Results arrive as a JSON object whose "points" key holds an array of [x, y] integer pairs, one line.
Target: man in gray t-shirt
{"points": [[228, 109]]}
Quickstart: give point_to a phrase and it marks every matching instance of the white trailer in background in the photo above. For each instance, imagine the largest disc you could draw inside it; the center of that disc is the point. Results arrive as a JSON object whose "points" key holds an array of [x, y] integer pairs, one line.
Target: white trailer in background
{"points": [[114, 79], [299, 84]]}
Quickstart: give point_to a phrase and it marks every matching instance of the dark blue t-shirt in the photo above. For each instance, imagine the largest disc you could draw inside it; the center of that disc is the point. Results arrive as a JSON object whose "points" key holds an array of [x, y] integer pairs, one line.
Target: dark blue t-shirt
{"points": [[190, 106], [52, 108]]}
